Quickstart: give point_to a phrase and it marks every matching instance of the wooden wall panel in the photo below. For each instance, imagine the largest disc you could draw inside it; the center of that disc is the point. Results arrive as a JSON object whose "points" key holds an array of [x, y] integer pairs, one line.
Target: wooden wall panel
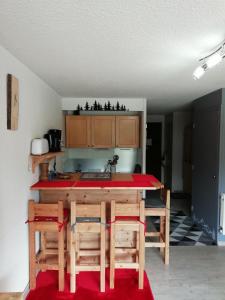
{"points": [[12, 102]]}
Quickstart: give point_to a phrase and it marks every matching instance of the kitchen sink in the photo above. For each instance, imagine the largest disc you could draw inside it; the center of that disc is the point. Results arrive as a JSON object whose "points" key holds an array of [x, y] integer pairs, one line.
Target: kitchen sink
{"points": [[96, 176]]}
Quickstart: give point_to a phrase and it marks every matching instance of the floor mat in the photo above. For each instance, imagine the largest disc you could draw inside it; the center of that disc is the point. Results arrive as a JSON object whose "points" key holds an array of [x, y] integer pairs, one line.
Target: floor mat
{"points": [[184, 232], [126, 287]]}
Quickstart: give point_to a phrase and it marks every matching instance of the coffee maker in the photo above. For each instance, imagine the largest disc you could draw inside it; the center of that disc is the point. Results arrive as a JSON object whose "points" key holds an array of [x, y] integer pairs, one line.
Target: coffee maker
{"points": [[54, 140]]}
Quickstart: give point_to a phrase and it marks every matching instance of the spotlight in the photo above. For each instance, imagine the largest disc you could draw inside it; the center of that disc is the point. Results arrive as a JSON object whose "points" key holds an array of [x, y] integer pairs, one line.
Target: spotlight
{"points": [[210, 61], [213, 60], [199, 72]]}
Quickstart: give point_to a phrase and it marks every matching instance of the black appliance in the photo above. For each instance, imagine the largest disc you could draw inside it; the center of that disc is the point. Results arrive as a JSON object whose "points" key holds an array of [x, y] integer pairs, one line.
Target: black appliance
{"points": [[54, 140]]}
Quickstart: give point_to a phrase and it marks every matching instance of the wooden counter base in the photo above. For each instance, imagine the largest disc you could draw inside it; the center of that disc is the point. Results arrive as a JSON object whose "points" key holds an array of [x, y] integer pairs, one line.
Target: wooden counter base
{"points": [[125, 239], [123, 188]]}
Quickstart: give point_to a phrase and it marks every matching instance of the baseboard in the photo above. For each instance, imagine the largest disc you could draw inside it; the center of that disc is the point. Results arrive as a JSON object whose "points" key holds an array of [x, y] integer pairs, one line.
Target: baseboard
{"points": [[26, 291]]}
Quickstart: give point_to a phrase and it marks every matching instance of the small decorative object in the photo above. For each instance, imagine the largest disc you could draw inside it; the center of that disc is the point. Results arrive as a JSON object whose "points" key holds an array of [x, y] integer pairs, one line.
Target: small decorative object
{"points": [[98, 107], [12, 102], [108, 105], [111, 164], [87, 107], [95, 105]]}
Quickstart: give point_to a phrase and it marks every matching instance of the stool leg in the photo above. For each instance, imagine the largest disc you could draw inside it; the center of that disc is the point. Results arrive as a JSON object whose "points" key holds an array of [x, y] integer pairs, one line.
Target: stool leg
{"points": [[141, 247], [43, 247], [61, 259], [137, 247], [162, 233], [77, 247], [73, 248], [112, 246], [72, 264], [167, 237], [112, 256], [32, 256], [68, 248], [102, 249]]}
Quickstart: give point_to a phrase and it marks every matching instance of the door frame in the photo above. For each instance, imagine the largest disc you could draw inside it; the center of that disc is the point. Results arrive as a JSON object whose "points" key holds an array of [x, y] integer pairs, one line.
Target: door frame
{"points": [[159, 119]]}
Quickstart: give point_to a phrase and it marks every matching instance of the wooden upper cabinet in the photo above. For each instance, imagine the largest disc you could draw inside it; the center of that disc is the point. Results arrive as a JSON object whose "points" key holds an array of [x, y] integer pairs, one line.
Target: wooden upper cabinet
{"points": [[78, 131], [103, 131], [127, 131]]}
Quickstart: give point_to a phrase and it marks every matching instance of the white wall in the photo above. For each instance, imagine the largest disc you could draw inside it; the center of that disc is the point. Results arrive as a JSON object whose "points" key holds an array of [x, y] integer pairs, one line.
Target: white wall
{"points": [[39, 110], [180, 121]]}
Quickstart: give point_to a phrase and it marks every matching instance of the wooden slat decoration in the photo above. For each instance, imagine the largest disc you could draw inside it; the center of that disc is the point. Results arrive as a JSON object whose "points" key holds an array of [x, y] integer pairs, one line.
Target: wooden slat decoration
{"points": [[12, 102]]}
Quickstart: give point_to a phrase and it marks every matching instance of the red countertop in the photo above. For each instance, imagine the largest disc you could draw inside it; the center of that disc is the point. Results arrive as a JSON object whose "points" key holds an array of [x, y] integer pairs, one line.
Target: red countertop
{"points": [[119, 181]]}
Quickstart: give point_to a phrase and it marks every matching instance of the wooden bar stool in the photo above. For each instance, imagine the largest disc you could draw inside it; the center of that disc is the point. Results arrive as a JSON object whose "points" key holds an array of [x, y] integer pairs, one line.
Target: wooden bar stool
{"points": [[160, 208], [46, 218], [87, 218], [128, 217]]}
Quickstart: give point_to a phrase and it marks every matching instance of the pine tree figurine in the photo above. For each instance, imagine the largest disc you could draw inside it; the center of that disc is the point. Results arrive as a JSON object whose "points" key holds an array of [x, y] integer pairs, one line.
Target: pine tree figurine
{"points": [[105, 107], [109, 105], [95, 105], [118, 106], [87, 107], [78, 107]]}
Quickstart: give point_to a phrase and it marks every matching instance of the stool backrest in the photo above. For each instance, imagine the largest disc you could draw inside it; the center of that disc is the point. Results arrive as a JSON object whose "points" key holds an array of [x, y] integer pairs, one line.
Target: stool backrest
{"points": [[45, 210], [127, 210], [88, 210]]}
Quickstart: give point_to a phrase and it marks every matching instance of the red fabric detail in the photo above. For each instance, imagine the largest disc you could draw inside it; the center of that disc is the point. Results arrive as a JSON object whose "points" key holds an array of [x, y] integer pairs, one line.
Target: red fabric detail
{"points": [[52, 219], [126, 287], [144, 177], [139, 181], [53, 184]]}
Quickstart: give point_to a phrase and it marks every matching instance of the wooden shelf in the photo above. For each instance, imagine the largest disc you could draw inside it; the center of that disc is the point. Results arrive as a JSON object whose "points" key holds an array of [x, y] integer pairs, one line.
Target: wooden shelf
{"points": [[38, 159]]}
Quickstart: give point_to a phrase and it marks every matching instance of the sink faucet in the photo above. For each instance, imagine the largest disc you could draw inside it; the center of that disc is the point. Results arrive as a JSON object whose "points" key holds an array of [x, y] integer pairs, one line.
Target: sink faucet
{"points": [[111, 164]]}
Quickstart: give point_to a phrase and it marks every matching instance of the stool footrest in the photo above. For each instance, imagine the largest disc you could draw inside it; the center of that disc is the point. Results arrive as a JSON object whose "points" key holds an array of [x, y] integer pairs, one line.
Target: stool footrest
{"points": [[151, 234], [87, 268], [155, 244], [89, 252], [124, 265]]}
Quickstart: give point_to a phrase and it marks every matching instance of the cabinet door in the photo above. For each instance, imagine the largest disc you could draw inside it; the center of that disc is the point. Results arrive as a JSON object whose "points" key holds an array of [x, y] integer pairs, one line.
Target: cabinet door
{"points": [[103, 132], [127, 131], [77, 131]]}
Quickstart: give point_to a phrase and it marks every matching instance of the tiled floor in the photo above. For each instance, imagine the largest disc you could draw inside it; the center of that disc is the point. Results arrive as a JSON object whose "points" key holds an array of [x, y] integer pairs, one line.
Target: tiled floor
{"points": [[194, 273], [184, 232]]}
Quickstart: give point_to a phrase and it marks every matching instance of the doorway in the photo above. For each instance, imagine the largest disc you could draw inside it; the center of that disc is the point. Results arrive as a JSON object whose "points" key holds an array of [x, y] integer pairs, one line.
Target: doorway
{"points": [[154, 149]]}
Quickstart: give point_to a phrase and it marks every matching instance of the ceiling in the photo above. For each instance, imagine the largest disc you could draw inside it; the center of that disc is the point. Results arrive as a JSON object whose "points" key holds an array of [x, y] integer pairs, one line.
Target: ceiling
{"points": [[118, 48]]}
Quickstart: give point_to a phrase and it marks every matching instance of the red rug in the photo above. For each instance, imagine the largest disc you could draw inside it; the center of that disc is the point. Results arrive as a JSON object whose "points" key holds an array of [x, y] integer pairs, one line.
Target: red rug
{"points": [[126, 287]]}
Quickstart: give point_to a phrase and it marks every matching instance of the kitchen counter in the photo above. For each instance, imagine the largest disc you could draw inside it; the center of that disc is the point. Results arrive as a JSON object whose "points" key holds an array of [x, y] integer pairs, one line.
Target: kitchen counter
{"points": [[124, 188], [118, 181]]}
